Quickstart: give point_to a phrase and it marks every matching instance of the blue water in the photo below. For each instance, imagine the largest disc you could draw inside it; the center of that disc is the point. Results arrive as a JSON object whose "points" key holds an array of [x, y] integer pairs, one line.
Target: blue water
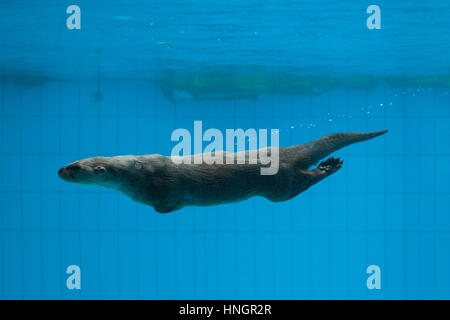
{"points": [[137, 70]]}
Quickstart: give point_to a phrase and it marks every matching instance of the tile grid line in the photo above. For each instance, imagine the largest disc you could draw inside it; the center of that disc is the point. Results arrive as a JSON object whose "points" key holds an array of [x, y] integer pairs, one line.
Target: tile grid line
{"points": [[211, 117], [310, 253], [366, 197], [272, 207], [156, 240], [287, 231], [119, 291], [403, 214], [194, 239], [385, 187], [22, 237], [175, 225], [330, 234], [138, 236], [291, 219], [235, 223], [315, 193], [80, 251], [347, 214], [97, 189], [41, 193], [434, 210], [60, 235], [3, 218]]}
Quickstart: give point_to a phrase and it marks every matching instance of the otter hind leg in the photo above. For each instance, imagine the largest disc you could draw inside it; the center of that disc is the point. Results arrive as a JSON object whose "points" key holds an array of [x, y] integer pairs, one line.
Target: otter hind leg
{"points": [[325, 169], [305, 179], [329, 166]]}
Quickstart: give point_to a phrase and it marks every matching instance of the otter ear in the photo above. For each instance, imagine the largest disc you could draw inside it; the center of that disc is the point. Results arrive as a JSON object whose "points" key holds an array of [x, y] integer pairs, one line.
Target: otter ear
{"points": [[99, 170], [138, 165]]}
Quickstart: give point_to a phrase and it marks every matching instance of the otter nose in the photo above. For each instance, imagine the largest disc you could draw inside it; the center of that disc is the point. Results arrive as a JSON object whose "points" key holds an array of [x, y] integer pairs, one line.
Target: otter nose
{"points": [[73, 167], [69, 170]]}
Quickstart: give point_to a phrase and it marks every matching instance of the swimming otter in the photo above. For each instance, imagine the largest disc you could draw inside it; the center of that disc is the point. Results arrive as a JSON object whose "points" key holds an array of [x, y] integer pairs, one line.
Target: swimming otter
{"points": [[158, 181]]}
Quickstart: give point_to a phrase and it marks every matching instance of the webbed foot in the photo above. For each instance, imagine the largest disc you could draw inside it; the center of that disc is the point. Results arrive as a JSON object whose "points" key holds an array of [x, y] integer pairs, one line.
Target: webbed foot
{"points": [[330, 165]]}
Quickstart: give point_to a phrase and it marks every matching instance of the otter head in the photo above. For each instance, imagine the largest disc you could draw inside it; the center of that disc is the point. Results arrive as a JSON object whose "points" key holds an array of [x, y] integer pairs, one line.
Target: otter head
{"points": [[143, 178], [114, 172]]}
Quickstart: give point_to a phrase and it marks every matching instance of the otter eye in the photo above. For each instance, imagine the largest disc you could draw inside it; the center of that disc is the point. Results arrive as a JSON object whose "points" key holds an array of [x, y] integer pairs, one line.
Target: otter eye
{"points": [[138, 165], [99, 170]]}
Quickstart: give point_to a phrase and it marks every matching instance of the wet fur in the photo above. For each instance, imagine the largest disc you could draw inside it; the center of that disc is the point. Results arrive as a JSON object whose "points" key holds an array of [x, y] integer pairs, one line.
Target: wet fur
{"points": [[159, 182]]}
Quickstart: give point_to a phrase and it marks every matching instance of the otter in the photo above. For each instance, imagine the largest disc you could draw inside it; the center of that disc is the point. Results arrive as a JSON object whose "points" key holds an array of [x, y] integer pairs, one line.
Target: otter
{"points": [[166, 185]]}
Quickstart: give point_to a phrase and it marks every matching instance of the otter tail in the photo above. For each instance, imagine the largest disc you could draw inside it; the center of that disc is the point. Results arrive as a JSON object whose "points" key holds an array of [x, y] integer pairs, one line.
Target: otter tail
{"points": [[320, 148]]}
